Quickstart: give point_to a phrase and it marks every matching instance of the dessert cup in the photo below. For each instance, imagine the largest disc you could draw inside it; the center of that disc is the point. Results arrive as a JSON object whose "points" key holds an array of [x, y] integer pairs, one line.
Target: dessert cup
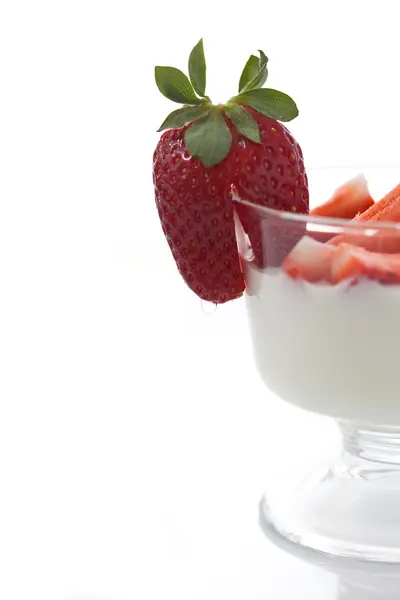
{"points": [[333, 349]]}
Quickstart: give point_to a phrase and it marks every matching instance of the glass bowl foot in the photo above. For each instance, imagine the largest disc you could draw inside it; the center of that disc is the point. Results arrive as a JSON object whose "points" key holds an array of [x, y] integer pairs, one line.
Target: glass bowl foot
{"points": [[348, 510]]}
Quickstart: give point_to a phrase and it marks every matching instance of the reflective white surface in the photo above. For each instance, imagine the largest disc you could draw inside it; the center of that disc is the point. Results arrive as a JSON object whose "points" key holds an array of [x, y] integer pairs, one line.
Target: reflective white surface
{"points": [[138, 474]]}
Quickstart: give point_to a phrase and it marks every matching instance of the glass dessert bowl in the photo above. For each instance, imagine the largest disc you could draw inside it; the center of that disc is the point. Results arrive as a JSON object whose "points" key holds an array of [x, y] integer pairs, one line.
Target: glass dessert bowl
{"points": [[323, 300]]}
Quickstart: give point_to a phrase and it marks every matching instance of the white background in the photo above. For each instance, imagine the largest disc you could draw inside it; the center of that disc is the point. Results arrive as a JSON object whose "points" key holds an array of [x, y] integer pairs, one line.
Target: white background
{"points": [[135, 436]]}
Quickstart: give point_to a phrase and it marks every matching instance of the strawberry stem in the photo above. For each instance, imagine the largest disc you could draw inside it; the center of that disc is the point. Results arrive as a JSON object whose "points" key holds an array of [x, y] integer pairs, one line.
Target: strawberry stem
{"points": [[208, 138]]}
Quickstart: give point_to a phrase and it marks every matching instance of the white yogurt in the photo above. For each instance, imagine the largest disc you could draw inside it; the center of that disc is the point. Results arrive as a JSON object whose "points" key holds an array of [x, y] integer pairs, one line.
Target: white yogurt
{"points": [[333, 350]]}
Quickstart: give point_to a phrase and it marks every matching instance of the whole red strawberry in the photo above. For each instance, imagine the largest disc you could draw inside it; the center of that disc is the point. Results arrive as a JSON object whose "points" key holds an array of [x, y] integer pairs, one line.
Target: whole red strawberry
{"points": [[207, 149]]}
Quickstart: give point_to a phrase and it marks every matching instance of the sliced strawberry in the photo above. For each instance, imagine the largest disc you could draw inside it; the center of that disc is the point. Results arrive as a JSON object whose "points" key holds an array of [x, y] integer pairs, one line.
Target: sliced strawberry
{"points": [[387, 209], [309, 260], [386, 241], [352, 262], [379, 241], [347, 201]]}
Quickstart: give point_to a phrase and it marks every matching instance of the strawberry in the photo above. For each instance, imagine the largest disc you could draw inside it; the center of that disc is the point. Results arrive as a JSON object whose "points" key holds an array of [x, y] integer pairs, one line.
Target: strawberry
{"points": [[348, 201], [352, 262], [387, 209], [271, 237], [384, 241], [309, 260], [380, 240], [207, 148], [316, 262]]}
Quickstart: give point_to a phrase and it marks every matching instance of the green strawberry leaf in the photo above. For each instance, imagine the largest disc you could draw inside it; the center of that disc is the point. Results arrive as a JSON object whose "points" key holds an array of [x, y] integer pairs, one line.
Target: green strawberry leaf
{"points": [[270, 103], [209, 138], [244, 122], [175, 85], [197, 69], [181, 116], [260, 77], [250, 70]]}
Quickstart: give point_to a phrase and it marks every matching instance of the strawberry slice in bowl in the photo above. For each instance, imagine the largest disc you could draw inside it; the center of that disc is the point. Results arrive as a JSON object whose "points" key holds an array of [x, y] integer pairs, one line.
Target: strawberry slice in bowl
{"points": [[316, 262], [348, 201], [387, 209], [310, 260], [353, 262], [385, 239]]}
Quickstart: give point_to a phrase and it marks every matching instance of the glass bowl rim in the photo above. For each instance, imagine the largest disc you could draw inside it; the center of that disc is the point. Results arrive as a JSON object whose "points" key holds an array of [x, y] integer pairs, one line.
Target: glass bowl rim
{"points": [[335, 222]]}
